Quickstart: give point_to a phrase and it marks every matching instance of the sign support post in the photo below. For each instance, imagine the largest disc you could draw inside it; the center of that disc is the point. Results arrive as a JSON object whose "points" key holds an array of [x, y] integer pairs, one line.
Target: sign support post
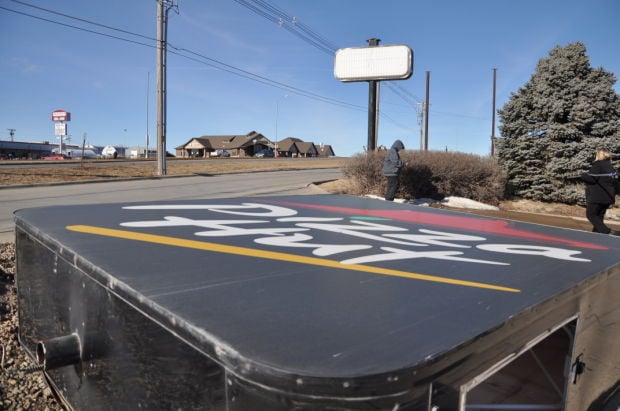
{"points": [[373, 105], [60, 116]]}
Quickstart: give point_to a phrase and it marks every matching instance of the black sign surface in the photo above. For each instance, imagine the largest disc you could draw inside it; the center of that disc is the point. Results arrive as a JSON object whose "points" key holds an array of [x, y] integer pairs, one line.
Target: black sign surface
{"points": [[323, 285]]}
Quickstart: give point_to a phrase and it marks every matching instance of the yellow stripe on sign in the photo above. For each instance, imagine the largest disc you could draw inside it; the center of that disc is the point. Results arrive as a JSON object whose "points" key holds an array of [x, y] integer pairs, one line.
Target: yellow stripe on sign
{"points": [[273, 255]]}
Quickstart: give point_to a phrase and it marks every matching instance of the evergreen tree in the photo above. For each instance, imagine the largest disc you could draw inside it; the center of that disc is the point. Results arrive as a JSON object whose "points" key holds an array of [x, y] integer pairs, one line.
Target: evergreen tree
{"points": [[553, 125]]}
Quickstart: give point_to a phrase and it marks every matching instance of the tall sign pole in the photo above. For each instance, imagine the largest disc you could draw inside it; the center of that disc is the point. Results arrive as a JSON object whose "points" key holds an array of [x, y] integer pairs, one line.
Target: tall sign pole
{"points": [[60, 117], [372, 105]]}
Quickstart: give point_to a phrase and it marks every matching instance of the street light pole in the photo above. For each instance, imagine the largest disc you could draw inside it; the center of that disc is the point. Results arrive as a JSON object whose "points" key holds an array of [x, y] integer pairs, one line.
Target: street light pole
{"points": [[277, 114], [148, 81]]}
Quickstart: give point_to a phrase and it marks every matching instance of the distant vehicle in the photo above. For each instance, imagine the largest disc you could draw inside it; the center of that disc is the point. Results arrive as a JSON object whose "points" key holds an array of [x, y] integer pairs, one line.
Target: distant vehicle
{"points": [[266, 152], [75, 153], [220, 153], [109, 152], [54, 156]]}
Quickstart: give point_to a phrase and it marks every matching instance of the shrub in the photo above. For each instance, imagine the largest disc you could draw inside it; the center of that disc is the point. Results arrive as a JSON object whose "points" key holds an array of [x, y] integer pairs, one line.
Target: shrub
{"points": [[364, 173], [431, 174]]}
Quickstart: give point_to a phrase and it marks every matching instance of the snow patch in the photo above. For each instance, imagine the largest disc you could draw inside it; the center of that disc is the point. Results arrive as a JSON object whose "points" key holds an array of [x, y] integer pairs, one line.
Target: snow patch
{"points": [[455, 202]]}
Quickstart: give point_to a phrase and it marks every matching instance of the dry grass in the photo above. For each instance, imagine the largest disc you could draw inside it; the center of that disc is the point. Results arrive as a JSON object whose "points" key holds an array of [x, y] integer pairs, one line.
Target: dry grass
{"points": [[73, 170]]}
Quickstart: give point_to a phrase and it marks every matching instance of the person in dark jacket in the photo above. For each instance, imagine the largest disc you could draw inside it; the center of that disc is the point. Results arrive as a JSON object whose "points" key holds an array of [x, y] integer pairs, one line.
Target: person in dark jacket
{"points": [[601, 189], [391, 169]]}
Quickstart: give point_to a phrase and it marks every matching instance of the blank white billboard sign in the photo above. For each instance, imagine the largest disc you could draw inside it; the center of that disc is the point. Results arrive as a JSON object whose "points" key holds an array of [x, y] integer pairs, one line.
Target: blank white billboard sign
{"points": [[374, 63]]}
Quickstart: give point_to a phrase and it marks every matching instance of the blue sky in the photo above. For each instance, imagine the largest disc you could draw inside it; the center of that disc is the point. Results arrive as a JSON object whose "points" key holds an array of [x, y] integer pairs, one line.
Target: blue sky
{"points": [[109, 85]]}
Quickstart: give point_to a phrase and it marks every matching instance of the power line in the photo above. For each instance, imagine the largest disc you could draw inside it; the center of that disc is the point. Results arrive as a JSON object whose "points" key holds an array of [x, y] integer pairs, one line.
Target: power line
{"points": [[76, 27], [457, 115], [399, 91], [289, 23], [261, 79], [292, 24], [82, 20], [179, 52], [263, 9]]}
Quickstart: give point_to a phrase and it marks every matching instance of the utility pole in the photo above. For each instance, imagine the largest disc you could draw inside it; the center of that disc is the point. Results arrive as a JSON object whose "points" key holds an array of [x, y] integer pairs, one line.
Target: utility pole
{"points": [[83, 147], [11, 132], [163, 7], [275, 148], [377, 113], [426, 105], [493, 116], [420, 123], [148, 83]]}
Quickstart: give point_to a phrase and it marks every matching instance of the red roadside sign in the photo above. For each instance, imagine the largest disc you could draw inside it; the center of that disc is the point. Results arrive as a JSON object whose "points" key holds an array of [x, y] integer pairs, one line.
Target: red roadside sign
{"points": [[61, 115]]}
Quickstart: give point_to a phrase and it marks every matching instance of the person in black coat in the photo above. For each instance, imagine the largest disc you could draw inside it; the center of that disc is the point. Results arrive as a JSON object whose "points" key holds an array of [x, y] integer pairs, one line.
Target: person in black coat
{"points": [[391, 169], [601, 189]]}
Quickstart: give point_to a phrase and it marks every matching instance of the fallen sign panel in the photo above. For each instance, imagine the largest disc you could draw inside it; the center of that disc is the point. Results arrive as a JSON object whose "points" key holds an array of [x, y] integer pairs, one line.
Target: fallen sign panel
{"points": [[314, 302]]}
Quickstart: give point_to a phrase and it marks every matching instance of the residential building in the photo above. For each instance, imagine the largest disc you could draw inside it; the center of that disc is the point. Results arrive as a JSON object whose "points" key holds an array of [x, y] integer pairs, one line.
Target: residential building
{"points": [[325, 150], [237, 145], [249, 144]]}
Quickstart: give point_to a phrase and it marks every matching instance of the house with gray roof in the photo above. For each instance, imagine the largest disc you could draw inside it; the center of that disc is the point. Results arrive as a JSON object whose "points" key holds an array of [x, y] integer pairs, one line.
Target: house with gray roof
{"points": [[246, 145], [288, 147], [237, 145], [325, 150], [307, 149]]}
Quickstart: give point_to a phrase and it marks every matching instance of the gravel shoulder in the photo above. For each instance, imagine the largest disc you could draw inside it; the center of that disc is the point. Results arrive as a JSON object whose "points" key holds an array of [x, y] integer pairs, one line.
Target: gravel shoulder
{"points": [[19, 390]]}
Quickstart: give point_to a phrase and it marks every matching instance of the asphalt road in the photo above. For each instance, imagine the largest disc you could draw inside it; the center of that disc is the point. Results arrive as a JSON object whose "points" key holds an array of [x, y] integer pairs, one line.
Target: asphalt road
{"points": [[169, 188]]}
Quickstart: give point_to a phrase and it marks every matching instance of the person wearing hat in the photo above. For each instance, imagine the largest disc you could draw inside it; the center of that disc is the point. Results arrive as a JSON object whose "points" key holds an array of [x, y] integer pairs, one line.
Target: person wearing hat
{"points": [[391, 169]]}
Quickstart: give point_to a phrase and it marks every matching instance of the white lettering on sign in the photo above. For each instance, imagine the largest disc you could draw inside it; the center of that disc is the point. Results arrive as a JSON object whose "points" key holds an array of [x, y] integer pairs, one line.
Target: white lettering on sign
{"points": [[268, 210], [61, 115], [60, 129], [390, 242], [399, 254], [429, 237], [301, 241], [217, 228], [551, 252], [359, 229]]}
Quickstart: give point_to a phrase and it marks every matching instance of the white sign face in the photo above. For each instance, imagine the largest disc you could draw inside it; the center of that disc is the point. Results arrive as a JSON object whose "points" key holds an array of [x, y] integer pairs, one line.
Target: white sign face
{"points": [[61, 129], [374, 63]]}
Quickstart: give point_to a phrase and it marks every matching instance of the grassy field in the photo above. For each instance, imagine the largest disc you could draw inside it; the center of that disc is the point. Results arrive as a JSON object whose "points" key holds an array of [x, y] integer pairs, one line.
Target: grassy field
{"points": [[41, 172]]}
